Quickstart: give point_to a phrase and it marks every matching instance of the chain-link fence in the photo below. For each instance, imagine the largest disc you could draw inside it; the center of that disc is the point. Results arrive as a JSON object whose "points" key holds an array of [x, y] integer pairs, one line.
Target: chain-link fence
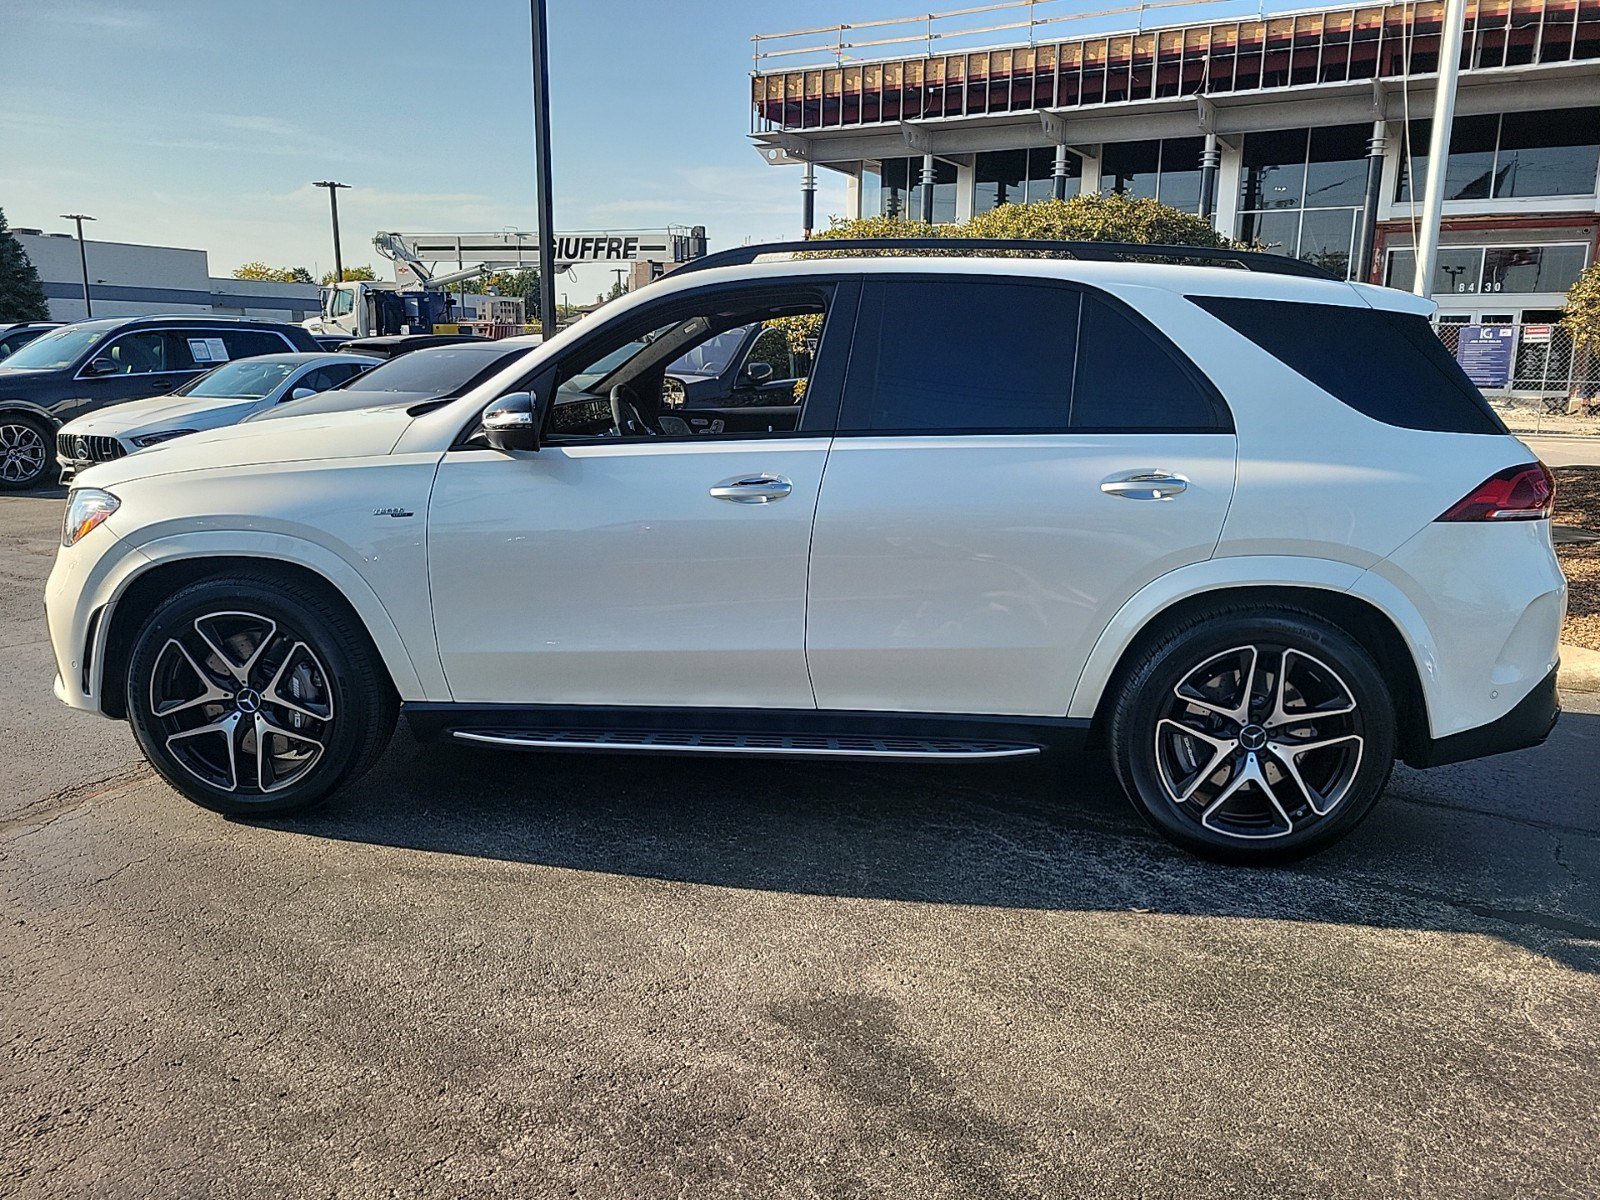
{"points": [[1536, 377]]}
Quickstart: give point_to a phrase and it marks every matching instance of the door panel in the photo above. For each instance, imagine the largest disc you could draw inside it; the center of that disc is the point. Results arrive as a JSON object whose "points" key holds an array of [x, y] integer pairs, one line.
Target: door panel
{"points": [[606, 573], [972, 574]]}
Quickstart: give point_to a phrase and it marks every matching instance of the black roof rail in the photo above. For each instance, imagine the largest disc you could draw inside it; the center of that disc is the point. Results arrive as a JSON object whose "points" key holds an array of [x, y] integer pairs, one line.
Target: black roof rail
{"points": [[1249, 260], [196, 318]]}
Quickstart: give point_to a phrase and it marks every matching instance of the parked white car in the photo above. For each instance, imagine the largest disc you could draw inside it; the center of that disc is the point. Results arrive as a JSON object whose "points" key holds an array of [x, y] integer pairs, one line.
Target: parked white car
{"points": [[223, 396], [1252, 531]]}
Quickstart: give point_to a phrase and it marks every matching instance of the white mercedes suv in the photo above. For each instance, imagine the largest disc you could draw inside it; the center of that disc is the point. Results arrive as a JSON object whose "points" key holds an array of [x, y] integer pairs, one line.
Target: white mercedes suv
{"points": [[1250, 530]]}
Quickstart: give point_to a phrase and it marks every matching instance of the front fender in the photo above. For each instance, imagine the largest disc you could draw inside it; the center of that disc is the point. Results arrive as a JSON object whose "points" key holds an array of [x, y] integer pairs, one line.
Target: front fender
{"points": [[1219, 574], [10, 405], [411, 683]]}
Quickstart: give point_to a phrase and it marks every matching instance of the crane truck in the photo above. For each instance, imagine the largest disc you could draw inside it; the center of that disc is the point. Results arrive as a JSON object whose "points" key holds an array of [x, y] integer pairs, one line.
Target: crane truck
{"points": [[417, 301]]}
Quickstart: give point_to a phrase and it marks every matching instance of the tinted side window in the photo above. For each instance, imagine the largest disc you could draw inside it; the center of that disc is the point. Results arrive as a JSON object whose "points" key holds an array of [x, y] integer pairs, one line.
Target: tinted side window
{"points": [[181, 355], [337, 374], [961, 355], [139, 354], [1131, 379], [1388, 366], [247, 343], [319, 380]]}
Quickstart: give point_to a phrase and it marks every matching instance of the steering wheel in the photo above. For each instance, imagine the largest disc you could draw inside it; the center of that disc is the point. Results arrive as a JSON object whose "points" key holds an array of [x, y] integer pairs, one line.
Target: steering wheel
{"points": [[626, 414]]}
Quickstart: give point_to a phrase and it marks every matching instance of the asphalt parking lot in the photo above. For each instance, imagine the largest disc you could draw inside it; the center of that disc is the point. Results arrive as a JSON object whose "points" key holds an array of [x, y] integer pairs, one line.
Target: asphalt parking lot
{"points": [[480, 974]]}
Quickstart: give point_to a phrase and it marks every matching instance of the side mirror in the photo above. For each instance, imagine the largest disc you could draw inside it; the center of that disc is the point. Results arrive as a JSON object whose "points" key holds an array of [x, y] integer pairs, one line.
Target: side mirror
{"points": [[100, 366], [757, 373], [301, 393], [513, 422]]}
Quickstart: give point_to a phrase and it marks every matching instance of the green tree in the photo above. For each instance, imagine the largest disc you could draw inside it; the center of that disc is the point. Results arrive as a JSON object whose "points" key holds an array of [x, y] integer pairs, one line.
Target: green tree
{"points": [[263, 273], [352, 275], [1582, 317], [21, 293], [524, 283]]}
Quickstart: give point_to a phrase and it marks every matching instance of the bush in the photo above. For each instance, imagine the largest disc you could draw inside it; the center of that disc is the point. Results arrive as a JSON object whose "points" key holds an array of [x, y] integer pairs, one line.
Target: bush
{"points": [[1108, 218]]}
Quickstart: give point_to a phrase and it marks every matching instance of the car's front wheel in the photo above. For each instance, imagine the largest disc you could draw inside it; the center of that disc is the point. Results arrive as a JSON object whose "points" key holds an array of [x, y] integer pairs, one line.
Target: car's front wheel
{"points": [[257, 695], [25, 455], [1254, 736]]}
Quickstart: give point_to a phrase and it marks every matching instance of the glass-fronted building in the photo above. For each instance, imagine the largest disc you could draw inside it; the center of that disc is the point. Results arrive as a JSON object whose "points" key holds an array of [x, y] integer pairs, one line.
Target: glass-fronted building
{"points": [[1309, 122]]}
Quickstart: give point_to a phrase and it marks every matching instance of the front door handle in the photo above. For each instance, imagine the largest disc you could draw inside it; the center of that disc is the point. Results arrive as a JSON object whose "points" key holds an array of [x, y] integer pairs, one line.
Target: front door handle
{"points": [[1144, 485], [753, 489]]}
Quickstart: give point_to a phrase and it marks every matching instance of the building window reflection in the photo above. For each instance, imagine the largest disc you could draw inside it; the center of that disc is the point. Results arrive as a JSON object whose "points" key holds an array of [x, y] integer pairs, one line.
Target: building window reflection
{"points": [[1495, 270], [1516, 154], [900, 190], [1301, 190], [1167, 170], [1018, 177]]}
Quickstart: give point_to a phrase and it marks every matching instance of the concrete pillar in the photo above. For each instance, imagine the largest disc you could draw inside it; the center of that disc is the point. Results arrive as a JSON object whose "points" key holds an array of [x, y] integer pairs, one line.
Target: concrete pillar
{"points": [[1226, 220], [966, 187]]}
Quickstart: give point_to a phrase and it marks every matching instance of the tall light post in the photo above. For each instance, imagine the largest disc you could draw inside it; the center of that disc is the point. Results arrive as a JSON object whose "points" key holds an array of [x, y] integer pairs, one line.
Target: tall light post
{"points": [[333, 207], [543, 196], [83, 258], [1444, 111]]}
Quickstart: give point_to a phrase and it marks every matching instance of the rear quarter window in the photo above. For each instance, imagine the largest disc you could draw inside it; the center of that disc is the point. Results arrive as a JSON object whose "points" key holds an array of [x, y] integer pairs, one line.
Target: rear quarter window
{"points": [[247, 343], [1386, 365]]}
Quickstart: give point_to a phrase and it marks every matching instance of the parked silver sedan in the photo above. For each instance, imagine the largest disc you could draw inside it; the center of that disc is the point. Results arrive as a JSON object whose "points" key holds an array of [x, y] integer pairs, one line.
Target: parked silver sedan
{"points": [[225, 395]]}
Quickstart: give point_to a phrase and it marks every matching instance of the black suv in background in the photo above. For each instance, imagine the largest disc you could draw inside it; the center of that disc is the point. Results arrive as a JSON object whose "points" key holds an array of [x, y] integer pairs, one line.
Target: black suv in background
{"points": [[93, 364], [15, 336]]}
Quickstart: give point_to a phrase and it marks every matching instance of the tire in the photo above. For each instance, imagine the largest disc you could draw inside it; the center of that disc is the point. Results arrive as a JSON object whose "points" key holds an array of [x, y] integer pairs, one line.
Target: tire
{"points": [[1287, 775], [255, 695], [26, 453]]}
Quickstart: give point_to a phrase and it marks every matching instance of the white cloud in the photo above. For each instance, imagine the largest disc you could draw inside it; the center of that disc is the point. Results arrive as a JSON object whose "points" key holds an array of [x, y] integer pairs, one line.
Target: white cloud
{"points": [[98, 16]]}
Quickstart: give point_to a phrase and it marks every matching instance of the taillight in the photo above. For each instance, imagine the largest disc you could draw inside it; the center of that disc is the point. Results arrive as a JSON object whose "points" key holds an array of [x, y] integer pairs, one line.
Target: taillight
{"points": [[1525, 493]]}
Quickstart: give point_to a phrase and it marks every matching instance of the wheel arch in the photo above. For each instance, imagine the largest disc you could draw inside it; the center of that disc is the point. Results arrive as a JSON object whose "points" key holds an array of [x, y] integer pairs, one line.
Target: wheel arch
{"points": [[29, 408], [140, 593], [1401, 663]]}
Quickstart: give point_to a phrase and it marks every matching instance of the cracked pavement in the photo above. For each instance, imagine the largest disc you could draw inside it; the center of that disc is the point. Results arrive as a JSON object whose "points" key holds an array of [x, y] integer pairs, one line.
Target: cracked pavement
{"points": [[479, 974]]}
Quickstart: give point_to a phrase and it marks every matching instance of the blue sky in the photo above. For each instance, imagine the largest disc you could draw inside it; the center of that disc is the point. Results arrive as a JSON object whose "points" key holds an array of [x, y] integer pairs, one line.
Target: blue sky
{"points": [[201, 122]]}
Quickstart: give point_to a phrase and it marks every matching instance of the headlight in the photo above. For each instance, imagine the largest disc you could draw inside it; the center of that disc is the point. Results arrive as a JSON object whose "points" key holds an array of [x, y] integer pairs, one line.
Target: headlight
{"points": [[151, 439], [86, 508]]}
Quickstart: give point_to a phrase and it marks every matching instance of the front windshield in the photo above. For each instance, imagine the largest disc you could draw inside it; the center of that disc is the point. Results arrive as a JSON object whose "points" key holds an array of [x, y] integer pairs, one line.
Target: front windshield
{"points": [[58, 349], [246, 379], [436, 371]]}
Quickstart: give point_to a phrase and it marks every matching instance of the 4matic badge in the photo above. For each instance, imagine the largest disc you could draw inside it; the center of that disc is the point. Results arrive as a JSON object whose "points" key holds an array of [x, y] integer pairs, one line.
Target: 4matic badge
{"points": [[393, 512]]}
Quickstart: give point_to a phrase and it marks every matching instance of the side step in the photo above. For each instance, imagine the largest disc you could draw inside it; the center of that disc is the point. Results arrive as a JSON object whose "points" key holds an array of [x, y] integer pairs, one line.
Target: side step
{"points": [[749, 745]]}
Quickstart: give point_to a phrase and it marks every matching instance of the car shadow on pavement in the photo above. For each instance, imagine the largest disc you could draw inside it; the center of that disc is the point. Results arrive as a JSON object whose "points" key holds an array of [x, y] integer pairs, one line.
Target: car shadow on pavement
{"points": [[1506, 847]]}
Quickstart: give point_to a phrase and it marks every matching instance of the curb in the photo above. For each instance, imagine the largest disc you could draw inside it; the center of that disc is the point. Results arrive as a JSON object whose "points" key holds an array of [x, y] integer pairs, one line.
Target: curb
{"points": [[1580, 669]]}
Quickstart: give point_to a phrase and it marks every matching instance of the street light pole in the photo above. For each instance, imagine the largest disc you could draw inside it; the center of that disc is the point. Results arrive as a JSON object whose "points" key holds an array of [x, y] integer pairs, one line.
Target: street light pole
{"points": [[333, 206], [1444, 111], [543, 196], [83, 258]]}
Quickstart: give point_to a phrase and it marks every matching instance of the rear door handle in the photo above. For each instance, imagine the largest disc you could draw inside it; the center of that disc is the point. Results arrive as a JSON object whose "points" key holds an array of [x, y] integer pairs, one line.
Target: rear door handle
{"points": [[1144, 485], [752, 489]]}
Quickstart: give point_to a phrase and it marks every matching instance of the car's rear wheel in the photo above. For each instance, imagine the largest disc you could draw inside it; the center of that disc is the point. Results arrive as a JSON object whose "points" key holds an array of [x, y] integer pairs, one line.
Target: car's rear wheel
{"points": [[253, 695], [25, 455], [1254, 737]]}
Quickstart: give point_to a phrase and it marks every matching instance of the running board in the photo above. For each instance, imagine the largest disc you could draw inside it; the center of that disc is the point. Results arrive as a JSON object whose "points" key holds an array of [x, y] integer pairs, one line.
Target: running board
{"points": [[748, 745]]}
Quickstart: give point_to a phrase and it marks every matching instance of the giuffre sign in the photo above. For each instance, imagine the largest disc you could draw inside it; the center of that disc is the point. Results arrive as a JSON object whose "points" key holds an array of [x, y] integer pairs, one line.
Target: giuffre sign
{"points": [[620, 245]]}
